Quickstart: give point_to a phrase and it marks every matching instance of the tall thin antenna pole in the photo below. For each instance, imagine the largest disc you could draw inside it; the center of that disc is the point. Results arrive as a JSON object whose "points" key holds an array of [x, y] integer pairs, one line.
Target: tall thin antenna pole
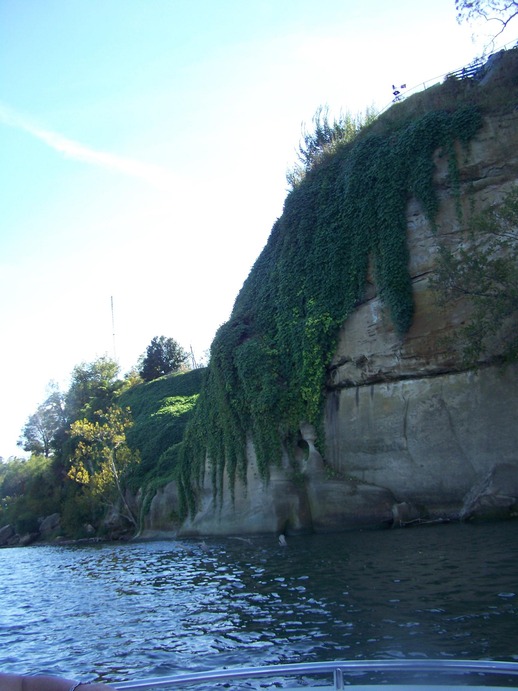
{"points": [[113, 330], [193, 360]]}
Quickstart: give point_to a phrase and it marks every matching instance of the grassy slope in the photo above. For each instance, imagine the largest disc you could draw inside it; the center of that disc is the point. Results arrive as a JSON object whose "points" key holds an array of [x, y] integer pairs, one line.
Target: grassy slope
{"points": [[160, 410]]}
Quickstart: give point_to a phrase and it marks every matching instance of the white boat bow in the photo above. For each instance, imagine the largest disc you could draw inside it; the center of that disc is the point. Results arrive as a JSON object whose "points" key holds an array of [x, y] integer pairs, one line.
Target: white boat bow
{"points": [[419, 674]]}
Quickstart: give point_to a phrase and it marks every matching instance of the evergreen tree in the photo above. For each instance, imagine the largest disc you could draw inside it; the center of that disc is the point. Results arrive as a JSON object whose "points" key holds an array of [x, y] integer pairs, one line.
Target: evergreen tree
{"points": [[163, 356]]}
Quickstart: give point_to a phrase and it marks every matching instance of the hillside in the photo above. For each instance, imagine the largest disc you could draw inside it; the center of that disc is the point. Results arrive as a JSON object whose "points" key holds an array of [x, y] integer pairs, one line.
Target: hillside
{"points": [[160, 411]]}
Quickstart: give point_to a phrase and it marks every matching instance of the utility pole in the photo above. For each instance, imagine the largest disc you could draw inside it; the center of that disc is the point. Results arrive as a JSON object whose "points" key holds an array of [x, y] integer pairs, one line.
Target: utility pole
{"points": [[193, 360], [113, 330]]}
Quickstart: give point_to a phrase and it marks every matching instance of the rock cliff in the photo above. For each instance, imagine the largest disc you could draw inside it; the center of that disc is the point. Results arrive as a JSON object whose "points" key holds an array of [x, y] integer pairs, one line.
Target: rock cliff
{"points": [[411, 434]]}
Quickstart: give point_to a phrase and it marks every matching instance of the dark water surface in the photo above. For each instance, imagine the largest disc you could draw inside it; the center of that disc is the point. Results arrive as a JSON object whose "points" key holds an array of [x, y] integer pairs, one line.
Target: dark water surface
{"points": [[118, 612]]}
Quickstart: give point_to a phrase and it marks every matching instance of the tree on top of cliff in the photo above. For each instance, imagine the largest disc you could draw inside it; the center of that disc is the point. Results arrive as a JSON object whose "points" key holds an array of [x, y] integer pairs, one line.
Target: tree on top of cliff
{"points": [[500, 11], [324, 137], [163, 356]]}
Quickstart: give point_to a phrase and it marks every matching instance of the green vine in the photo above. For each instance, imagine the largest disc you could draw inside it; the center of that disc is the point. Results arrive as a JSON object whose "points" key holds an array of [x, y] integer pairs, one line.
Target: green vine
{"points": [[268, 363]]}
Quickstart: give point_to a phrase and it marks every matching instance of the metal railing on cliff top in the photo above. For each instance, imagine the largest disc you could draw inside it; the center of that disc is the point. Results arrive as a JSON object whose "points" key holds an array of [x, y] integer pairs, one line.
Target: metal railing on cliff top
{"points": [[474, 70]]}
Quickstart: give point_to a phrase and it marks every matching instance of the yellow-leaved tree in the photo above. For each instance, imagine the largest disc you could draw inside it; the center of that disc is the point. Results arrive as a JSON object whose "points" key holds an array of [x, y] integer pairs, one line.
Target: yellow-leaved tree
{"points": [[102, 458]]}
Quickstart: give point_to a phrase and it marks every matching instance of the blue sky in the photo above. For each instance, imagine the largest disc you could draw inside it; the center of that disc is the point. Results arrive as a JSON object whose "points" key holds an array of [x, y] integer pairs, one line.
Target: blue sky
{"points": [[144, 146]]}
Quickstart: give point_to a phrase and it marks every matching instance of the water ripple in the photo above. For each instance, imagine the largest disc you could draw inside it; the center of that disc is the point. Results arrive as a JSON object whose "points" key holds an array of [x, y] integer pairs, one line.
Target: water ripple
{"points": [[116, 612]]}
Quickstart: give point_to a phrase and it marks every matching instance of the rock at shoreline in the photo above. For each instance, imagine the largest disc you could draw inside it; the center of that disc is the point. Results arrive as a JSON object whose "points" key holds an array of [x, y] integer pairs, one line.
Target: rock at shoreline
{"points": [[6, 534], [50, 525]]}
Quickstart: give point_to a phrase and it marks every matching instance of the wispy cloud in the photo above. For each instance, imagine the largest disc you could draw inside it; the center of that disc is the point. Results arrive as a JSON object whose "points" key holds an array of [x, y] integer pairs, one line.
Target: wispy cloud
{"points": [[155, 175]]}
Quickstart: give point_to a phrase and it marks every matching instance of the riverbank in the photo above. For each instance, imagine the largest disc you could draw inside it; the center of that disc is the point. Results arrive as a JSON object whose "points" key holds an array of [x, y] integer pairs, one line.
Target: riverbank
{"points": [[149, 536]]}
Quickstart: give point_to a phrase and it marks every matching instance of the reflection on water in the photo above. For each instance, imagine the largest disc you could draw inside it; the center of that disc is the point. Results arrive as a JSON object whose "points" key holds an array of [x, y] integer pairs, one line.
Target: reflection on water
{"points": [[118, 612]]}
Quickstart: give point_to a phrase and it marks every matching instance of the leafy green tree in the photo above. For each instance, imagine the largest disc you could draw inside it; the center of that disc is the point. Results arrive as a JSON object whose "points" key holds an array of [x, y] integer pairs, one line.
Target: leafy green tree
{"points": [[41, 428], [485, 269], [30, 489], [102, 458], [163, 356], [93, 387], [27, 491]]}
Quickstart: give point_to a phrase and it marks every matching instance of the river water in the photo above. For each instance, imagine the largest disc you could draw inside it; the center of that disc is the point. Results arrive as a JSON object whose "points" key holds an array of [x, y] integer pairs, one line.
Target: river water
{"points": [[116, 612]]}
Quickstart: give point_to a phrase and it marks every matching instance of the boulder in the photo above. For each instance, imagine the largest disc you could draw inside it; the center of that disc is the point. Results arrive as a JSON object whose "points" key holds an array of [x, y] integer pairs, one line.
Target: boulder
{"points": [[28, 539], [6, 533], [494, 496], [50, 525]]}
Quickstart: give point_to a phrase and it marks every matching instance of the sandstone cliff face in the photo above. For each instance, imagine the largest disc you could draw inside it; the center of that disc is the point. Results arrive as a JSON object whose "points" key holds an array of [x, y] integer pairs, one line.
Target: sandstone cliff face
{"points": [[402, 414], [409, 435]]}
